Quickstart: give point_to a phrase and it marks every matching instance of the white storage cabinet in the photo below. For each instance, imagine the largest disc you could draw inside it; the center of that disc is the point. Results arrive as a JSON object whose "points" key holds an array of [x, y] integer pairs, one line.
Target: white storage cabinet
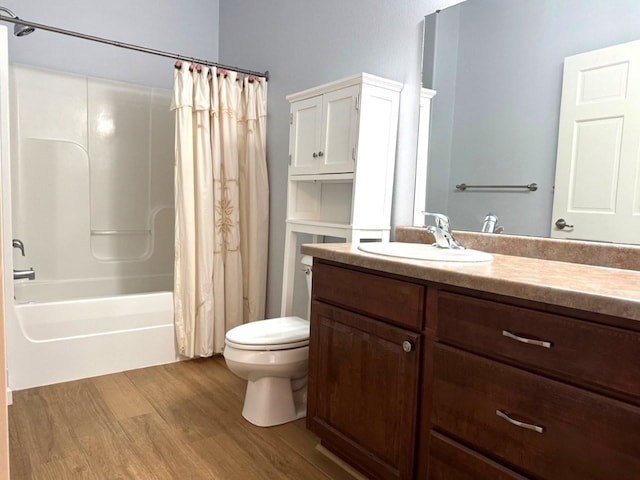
{"points": [[342, 146]]}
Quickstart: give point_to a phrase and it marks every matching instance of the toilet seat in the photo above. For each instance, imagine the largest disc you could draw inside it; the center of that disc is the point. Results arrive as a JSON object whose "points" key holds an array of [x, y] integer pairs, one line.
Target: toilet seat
{"points": [[274, 334]]}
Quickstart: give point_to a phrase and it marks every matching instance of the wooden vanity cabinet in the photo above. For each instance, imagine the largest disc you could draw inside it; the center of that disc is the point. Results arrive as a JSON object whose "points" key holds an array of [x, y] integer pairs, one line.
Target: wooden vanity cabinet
{"points": [[488, 387], [364, 369]]}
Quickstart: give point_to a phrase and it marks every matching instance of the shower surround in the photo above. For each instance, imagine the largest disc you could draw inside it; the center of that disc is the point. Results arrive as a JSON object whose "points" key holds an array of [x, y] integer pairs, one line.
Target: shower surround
{"points": [[92, 201]]}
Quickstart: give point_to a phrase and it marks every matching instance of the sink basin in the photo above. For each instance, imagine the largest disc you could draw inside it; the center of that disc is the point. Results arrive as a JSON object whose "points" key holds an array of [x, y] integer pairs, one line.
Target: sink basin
{"points": [[424, 251]]}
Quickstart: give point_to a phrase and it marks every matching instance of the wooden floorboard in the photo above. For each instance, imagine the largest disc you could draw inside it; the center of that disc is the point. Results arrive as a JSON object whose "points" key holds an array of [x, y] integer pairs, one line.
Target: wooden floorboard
{"points": [[176, 421]]}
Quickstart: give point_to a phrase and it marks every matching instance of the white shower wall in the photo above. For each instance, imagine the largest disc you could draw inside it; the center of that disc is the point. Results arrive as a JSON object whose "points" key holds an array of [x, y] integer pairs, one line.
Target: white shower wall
{"points": [[92, 179]]}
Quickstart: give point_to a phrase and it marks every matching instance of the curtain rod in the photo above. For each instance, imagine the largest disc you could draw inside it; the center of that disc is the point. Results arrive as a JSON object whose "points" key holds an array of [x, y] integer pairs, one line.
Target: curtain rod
{"points": [[129, 46]]}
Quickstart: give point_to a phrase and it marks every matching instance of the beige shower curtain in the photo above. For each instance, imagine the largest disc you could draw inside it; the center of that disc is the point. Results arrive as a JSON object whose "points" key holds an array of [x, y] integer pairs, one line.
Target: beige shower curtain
{"points": [[222, 206]]}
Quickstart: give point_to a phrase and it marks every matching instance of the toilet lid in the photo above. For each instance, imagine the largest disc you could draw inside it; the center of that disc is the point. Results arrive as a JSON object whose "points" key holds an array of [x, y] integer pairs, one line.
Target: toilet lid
{"points": [[273, 334]]}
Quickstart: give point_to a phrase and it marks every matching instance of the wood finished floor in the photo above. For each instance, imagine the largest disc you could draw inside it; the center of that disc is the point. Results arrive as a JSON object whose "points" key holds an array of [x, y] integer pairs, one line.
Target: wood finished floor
{"points": [[178, 421]]}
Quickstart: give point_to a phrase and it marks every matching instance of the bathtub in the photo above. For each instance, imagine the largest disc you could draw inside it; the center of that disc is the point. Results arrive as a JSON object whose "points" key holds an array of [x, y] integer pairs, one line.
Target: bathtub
{"points": [[72, 338]]}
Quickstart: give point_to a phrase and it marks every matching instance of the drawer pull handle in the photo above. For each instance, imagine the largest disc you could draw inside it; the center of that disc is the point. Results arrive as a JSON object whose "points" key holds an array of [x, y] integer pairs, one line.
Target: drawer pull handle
{"points": [[407, 346], [530, 341], [528, 426]]}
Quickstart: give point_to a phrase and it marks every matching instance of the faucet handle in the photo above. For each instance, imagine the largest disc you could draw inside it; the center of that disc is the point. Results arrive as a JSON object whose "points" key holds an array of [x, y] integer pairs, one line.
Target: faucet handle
{"points": [[19, 245], [442, 221]]}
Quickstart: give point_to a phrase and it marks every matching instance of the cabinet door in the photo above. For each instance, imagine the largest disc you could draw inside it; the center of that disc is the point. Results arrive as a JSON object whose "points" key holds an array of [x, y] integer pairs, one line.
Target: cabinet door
{"points": [[304, 138], [363, 390], [339, 130]]}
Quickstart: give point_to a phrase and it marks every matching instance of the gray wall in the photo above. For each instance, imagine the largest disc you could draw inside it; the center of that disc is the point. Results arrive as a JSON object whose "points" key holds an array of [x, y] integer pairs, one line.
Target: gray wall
{"points": [[188, 27], [306, 43], [302, 43], [507, 99]]}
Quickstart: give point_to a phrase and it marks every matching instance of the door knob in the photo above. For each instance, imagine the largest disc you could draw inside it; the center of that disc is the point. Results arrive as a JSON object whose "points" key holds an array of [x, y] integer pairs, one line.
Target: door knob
{"points": [[406, 346], [321, 154], [315, 155], [561, 224]]}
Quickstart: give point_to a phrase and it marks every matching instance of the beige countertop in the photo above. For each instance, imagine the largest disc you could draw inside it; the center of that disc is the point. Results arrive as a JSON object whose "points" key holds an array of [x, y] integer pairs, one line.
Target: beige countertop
{"points": [[605, 290]]}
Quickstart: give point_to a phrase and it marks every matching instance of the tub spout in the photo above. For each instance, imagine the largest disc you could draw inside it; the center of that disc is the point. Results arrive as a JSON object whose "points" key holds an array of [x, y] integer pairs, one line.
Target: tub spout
{"points": [[29, 274]]}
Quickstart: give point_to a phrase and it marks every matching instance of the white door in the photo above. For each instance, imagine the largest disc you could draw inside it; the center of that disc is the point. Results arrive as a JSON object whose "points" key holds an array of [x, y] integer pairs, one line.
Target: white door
{"points": [[304, 137], [597, 186], [339, 130]]}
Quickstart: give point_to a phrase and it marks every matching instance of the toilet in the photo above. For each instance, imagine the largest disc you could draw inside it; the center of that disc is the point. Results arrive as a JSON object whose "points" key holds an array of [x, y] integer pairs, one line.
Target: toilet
{"points": [[272, 355]]}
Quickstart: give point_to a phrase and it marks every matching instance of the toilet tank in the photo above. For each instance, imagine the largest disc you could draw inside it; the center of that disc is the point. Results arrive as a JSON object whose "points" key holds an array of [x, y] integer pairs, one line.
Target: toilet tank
{"points": [[307, 268]]}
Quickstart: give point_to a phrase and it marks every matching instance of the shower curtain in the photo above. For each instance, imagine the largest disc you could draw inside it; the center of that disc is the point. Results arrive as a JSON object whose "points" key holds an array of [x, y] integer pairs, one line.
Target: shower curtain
{"points": [[222, 205]]}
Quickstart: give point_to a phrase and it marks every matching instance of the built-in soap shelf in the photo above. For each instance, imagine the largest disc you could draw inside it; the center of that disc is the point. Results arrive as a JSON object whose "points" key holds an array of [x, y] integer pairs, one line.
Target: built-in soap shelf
{"points": [[119, 245], [120, 232]]}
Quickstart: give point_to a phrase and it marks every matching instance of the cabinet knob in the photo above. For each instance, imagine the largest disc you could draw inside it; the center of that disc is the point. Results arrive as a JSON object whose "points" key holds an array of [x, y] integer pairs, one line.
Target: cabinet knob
{"points": [[321, 154], [406, 346], [315, 155]]}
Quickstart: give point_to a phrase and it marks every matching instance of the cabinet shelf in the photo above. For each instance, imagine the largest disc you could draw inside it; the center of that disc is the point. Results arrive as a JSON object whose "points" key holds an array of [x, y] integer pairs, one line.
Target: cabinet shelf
{"points": [[297, 223], [311, 227], [325, 177], [315, 223]]}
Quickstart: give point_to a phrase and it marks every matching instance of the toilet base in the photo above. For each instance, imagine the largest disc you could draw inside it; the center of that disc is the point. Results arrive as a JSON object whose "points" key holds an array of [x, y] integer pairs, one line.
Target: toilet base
{"points": [[271, 401]]}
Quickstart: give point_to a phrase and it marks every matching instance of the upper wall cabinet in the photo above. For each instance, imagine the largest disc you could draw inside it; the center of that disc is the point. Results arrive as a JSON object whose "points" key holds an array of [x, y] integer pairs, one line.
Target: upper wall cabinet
{"points": [[329, 122], [342, 155], [323, 132]]}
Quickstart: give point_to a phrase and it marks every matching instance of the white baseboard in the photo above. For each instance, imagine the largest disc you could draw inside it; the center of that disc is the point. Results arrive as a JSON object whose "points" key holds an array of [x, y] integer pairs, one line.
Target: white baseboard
{"points": [[9, 396]]}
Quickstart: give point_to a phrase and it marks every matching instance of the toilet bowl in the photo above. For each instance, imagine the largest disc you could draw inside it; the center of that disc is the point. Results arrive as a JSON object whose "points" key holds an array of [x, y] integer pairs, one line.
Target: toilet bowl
{"points": [[272, 355]]}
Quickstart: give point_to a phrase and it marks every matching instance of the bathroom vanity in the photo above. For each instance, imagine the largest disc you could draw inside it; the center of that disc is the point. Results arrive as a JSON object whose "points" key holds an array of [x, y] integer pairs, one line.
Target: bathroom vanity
{"points": [[516, 368]]}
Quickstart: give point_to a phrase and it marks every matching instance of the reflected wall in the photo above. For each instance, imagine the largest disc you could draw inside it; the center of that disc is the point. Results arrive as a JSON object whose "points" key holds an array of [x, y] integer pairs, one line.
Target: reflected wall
{"points": [[498, 77]]}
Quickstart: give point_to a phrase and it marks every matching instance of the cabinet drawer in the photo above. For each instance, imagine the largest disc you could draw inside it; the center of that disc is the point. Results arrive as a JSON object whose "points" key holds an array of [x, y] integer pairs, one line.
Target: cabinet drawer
{"points": [[607, 357], [449, 460], [393, 300], [580, 435]]}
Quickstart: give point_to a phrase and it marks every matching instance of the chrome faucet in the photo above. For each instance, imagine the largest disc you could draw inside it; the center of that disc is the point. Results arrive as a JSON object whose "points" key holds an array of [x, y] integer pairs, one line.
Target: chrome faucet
{"points": [[441, 231], [29, 273], [19, 245], [490, 224]]}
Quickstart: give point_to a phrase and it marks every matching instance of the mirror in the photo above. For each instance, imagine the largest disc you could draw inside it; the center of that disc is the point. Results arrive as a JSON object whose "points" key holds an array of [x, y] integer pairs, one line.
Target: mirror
{"points": [[496, 67]]}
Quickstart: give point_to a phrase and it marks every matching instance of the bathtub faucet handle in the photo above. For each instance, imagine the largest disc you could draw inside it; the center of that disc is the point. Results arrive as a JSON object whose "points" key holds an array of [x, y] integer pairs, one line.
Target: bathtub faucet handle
{"points": [[19, 245]]}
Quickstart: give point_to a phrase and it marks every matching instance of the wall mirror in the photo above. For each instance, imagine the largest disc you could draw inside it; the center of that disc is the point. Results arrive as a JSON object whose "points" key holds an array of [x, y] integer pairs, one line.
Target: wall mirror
{"points": [[497, 69]]}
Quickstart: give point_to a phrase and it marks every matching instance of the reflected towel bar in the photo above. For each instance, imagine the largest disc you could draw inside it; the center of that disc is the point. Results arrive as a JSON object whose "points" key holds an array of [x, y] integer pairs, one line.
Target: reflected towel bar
{"points": [[532, 186], [120, 232]]}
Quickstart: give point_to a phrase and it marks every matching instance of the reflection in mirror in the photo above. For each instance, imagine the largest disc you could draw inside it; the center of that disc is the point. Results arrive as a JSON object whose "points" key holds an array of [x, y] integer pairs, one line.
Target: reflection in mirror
{"points": [[497, 68]]}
